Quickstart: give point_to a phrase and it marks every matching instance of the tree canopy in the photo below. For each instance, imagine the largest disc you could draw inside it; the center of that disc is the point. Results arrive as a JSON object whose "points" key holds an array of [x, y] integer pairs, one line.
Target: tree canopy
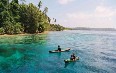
{"points": [[18, 18]]}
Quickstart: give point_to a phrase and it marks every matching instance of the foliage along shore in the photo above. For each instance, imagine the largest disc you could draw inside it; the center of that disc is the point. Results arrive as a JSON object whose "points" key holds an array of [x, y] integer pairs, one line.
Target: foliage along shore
{"points": [[16, 18], [24, 34]]}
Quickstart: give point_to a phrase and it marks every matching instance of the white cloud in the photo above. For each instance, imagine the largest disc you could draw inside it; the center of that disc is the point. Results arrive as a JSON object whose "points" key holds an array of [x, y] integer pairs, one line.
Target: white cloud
{"points": [[101, 17], [102, 11], [63, 2]]}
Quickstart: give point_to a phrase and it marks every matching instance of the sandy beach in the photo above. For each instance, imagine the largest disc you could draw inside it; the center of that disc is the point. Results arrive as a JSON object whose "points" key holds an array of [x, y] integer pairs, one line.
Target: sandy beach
{"points": [[45, 32]]}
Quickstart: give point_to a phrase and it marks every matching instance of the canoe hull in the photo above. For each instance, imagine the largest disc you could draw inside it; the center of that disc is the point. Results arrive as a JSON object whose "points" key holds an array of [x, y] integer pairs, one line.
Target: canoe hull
{"points": [[68, 60], [56, 51]]}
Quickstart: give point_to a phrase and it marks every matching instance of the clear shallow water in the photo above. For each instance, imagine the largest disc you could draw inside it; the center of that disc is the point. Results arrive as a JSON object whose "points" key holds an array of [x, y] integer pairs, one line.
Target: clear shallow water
{"points": [[29, 54]]}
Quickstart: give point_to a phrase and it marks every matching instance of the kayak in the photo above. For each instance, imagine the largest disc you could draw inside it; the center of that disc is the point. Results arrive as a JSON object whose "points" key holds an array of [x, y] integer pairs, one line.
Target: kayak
{"points": [[56, 51], [69, 60]]}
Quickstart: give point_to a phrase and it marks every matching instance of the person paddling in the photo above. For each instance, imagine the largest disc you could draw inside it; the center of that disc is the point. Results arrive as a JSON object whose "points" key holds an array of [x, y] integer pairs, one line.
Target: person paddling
{"points": [[73, 57], [59, 49]]}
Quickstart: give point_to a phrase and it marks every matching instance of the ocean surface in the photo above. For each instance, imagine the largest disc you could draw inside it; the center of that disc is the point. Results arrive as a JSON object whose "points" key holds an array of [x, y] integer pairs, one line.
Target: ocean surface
{"points": [[30, 53]]}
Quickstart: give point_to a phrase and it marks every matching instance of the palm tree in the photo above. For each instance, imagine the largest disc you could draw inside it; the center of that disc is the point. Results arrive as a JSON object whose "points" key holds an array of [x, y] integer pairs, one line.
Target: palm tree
{"points": [[55, 20], [49, 20], [40, 4], [45, 10]]}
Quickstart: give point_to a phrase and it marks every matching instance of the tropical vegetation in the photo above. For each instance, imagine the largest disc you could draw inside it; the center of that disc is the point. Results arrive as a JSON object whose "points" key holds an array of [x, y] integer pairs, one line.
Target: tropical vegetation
{"points": [[18, 18]]}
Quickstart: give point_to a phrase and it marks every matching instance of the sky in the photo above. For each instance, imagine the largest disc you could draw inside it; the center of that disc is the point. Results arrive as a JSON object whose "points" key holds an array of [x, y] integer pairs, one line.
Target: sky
{"points": [[81, 13]]}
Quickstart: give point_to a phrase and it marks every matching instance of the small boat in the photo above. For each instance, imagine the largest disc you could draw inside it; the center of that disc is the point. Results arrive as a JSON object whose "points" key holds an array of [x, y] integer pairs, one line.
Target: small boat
{"points": [[69, 60], [56, 51]]}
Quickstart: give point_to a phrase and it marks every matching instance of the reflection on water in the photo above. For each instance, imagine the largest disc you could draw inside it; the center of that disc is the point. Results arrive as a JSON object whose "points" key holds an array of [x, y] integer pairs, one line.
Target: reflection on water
{"points": [[25, 39], [17, 50]]}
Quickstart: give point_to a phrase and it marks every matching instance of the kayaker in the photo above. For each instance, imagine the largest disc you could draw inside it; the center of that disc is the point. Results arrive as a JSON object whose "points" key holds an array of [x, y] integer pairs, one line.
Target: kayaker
{"points": [[73, 57], [59, 49]]}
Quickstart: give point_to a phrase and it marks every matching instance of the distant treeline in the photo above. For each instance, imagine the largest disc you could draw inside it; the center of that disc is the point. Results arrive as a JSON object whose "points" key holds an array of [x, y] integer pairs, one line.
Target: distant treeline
{"points": [[18, 18], [95, 29]]}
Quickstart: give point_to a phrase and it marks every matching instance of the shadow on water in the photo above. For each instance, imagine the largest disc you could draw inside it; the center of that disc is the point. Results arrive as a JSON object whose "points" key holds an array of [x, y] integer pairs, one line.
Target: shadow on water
{"points": [[59, 54], [35, 39], [71, 64], [56, 54]]}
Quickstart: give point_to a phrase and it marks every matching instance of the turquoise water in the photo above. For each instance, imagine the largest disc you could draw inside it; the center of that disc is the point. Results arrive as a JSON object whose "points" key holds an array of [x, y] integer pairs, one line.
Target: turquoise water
{"points": [[29, 54]]}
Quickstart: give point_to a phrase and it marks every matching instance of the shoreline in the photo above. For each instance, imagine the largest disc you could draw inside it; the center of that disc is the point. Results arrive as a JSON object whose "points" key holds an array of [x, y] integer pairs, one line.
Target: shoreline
{"points": [[23, 34]]}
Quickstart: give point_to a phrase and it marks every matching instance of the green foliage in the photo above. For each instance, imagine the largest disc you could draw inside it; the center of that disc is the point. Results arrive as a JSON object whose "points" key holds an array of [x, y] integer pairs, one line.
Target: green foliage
{"points": [[30, 17], [2, 30], [5, 16], [41, 28], [24, 19], [18, 28], [8, 27], [14, 9], [3, 12], [56, 27], [16, 18], [33, 13]]}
